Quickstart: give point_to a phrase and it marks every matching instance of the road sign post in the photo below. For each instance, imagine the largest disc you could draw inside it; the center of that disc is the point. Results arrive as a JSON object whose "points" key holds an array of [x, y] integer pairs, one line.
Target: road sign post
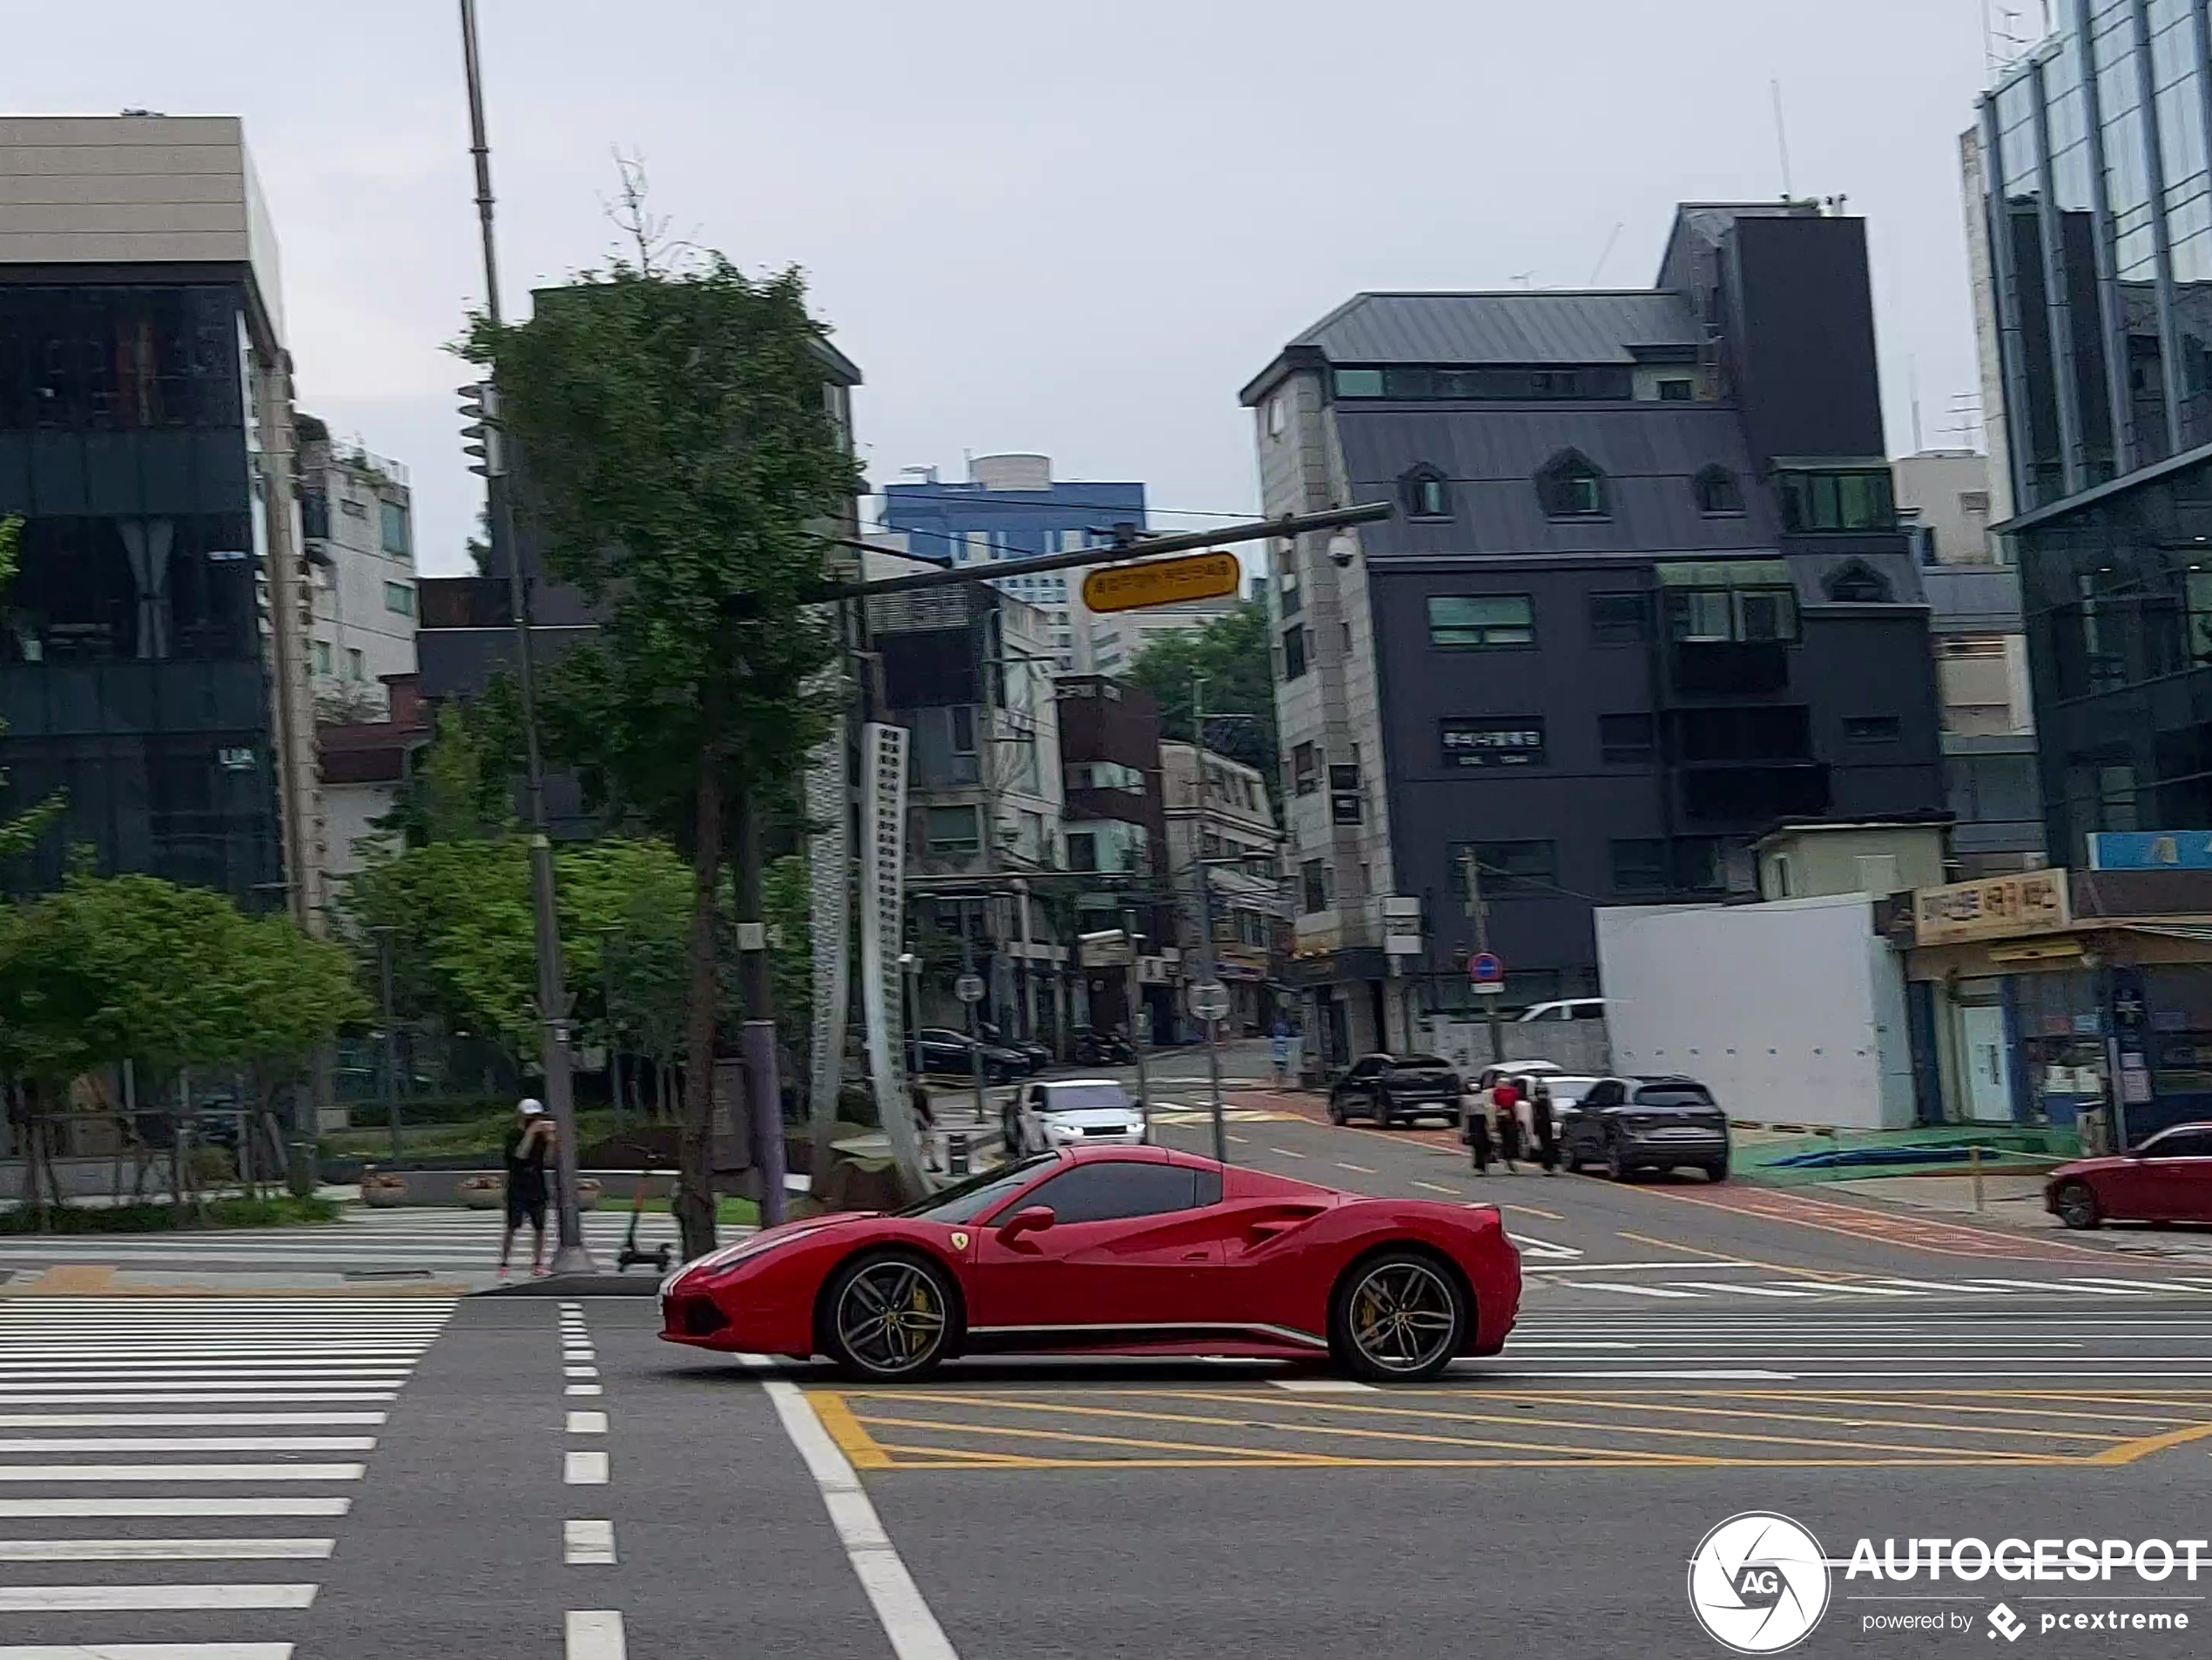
{"points": [[969, 988], [1209, 1000]]}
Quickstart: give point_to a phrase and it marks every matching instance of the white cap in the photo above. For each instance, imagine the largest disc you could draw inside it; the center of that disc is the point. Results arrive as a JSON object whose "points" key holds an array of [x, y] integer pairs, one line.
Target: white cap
{"points": [[532, 1107]]}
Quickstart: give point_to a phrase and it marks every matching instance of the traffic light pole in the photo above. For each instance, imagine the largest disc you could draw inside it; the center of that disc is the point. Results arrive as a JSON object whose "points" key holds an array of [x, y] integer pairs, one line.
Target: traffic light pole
{"points": [[572, 1256]]}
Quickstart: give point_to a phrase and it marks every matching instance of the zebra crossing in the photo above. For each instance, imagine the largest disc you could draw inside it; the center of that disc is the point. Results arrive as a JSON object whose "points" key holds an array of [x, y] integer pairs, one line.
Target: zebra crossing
{"points": [[365, 1242], [172, 1469], [1860, 1288]]}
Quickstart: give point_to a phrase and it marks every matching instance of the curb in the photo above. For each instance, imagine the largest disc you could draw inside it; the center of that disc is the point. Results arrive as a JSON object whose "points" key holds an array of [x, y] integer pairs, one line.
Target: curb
{"points": [[577, 1286]]}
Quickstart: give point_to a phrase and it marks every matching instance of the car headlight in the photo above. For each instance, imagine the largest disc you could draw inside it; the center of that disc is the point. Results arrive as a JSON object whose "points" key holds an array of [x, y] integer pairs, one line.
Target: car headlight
{"points": [[1062, 1132]]}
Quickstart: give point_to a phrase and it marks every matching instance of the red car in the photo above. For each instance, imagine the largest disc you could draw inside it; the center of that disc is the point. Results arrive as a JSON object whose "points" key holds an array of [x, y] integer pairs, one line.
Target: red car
{"points": [[2168, 1178], [1123, 1249]]}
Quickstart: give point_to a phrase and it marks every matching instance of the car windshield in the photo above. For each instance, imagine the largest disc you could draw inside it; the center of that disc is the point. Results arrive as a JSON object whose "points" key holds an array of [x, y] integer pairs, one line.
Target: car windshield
{"points": [[1083, 1097], [965, 1201], [1674, 1095]]}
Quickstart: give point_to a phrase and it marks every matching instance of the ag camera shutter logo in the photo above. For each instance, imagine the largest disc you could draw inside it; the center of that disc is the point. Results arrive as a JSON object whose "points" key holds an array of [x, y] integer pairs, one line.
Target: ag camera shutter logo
{"points": [[1758, 1584]]}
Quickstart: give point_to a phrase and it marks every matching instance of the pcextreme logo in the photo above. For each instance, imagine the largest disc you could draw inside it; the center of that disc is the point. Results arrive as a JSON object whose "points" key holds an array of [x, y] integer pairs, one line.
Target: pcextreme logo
{"points": [[1759, 1582]]}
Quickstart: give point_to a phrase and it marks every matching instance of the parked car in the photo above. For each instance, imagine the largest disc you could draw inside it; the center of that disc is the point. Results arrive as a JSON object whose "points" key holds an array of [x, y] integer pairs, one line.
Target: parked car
{"points": [[1390, 1089], [1524, 1074], [2168, 1178], [1071, 1112], [1563, 1008], [1631, 1126], [942, 1050], [1032, 1051]]}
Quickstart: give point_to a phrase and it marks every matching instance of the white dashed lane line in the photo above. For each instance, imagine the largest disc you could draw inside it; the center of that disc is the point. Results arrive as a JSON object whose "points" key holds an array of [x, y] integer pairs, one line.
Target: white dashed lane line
{"points": [[1284, 1152], [585, 1542]]}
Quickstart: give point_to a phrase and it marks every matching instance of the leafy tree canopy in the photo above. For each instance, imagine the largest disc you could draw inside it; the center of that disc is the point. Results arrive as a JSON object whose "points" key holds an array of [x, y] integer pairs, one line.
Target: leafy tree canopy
{"points": [[1232, 652]]}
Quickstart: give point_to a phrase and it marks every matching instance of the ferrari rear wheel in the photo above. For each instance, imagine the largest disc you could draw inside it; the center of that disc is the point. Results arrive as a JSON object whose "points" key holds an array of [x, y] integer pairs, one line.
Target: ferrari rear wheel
{"points": [[1398, 1317], [887, 1316]]}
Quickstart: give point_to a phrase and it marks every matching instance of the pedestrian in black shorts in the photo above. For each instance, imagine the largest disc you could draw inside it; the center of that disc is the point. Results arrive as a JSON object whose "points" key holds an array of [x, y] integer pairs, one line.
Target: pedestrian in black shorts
{"points": [[529, 1139], [1474, 1128]]}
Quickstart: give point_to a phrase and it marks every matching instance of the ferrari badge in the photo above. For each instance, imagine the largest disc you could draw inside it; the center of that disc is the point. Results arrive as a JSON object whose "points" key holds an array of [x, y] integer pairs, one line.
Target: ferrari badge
{"points": [[960, 1242]]}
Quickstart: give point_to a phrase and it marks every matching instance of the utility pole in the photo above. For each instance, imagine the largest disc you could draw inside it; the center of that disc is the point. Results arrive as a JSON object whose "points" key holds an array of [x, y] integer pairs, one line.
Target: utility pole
{"points": [[391, 1040], [975, 1037], [1471, 886], [1208, 969], [1136, 1018], [572, 1256]]}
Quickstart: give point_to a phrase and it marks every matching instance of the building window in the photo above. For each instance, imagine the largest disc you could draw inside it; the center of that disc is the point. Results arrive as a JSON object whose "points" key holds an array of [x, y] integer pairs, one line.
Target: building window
{"points": [[1313, 885], [1305, 770], [1850, 499], [1731, 599], [1359, 383], [1873, 729], [1698, 864], [1293, 651], [1625, 739], [1506, 868], [1426, 493], [1570, 486], [322, 657], [962, 719], [398, 599], [1287, 584], [356, 669], [1974, 504], [1676, 391], [392, 528], [1277, 417], [1717, 491], [952, 830], [1640, 865], [1481, 622], [1620, 619], [1856, 582]]}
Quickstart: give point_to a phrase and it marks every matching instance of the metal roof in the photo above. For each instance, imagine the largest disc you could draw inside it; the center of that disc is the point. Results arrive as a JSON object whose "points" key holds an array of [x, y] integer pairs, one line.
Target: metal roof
{"points": [[1519, 326]]}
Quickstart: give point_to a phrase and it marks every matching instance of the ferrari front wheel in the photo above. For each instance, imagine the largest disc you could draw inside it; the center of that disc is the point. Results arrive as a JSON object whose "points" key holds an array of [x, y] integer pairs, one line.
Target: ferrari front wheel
{"points": [[887, 1316], [1398, 1317]]}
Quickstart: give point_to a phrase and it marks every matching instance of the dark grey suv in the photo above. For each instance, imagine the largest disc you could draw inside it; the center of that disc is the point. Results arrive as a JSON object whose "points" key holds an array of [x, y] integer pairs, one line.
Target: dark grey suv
{"points": [[1635, 1124]]}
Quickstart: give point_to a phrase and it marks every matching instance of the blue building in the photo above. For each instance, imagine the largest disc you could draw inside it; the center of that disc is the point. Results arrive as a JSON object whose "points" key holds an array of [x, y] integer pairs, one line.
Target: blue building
{"points": [[1009, 508]]}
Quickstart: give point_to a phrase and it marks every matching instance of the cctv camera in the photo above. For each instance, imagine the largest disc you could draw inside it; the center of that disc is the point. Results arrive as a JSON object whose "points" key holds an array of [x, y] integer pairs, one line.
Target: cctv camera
{"points": [[1342, 550]]}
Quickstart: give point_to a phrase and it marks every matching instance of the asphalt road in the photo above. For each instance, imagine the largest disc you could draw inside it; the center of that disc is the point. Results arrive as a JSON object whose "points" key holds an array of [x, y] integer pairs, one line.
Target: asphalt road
{"points": [[1687, 1354]]}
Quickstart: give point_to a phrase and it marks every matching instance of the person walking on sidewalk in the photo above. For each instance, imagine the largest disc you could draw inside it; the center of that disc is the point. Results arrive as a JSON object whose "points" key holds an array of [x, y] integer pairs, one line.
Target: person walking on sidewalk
{"points": [[1278, 1052], [1507, 1100], [924, 1126], [529, 1141], [1545, 1127]]}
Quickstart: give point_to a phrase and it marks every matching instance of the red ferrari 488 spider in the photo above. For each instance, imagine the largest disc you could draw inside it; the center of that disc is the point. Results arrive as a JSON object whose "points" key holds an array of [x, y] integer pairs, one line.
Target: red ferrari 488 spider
{"points": [[1125, 1250]]}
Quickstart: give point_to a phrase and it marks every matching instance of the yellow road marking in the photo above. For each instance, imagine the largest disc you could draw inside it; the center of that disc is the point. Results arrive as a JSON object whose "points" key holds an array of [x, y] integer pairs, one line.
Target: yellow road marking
{"points": [[1255, 1455], [858, 1446], [1208, 1422], [2129, 1452], [1621, 1430], [1957, 1406]]}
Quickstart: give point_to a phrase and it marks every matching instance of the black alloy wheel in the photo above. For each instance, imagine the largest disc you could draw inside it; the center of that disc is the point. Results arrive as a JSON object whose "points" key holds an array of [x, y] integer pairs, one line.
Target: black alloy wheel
{"points": [[2077, 1206], [1397, 1318], [888, 1317]]}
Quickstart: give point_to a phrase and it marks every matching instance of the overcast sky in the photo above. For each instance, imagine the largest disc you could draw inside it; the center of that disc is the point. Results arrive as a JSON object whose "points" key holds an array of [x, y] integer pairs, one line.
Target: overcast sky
{"points": [[1039, 226]]}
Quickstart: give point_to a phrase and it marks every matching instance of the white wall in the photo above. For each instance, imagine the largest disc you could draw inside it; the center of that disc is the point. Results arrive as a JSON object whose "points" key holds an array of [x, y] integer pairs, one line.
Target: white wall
{"points": [[1792, 1012]]}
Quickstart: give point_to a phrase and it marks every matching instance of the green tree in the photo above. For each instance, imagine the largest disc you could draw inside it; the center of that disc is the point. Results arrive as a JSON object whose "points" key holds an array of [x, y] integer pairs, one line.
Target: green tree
{"points": [[678, 460], [455, 792], [17, 834], [1232, 651]]}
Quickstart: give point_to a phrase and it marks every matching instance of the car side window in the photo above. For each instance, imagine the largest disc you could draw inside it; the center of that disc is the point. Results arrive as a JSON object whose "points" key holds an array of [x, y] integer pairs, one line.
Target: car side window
{"points": [[2193, 1144], [1603, 1095], [1109, 1190]]}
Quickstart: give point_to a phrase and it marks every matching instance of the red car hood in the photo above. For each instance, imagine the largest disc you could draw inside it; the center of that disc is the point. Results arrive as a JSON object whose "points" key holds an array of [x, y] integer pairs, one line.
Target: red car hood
{"points": [[2091, 1166], [768, 1238]]}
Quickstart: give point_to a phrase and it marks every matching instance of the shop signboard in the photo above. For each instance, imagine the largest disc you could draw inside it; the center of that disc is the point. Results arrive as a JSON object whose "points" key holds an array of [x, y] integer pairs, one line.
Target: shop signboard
{"points": [[2151, 850], [1995, 907]]}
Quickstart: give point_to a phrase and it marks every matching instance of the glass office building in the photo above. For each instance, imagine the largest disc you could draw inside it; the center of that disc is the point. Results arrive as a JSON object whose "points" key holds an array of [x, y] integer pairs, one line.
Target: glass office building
{"points": [[2091, 158]]}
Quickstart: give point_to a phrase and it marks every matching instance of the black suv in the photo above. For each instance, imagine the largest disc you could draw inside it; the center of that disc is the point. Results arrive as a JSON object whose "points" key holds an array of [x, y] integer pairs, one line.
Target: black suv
{"points": [[1634, 1125], [1389, 1087]]}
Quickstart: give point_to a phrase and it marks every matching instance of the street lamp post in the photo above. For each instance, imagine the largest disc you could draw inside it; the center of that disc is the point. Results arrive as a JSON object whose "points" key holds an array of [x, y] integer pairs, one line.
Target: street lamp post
{"points": [[572, 1256]]}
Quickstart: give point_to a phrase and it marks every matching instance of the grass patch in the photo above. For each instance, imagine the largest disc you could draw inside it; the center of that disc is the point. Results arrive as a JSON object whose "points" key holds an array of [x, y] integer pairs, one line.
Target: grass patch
{"points": [[279, 1211], [728, 1212]]}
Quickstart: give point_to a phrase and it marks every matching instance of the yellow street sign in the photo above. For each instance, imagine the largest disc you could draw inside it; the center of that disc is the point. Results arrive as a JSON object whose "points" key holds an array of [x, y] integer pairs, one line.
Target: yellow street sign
{"points": [[1161, 582]]}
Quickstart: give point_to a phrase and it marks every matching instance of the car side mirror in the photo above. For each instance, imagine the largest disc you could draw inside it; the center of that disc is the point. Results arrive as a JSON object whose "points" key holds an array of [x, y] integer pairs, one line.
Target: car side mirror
{"points": [[1033, 1218]]}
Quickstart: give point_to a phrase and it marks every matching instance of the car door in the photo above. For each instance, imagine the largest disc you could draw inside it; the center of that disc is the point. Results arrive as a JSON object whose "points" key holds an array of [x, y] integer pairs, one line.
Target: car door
{"points": [[1127, 1246], [2173, 1178], [1587, 1126]]}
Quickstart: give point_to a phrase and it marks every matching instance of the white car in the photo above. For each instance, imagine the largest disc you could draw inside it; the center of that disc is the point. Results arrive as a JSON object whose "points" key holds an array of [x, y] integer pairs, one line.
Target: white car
{"points": [[1071, 1112]]}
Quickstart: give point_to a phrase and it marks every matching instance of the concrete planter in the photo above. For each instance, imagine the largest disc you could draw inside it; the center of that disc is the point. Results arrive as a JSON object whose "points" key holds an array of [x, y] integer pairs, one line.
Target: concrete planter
{"points": [[483, 1192], [383, 1193], [587, 1193]]}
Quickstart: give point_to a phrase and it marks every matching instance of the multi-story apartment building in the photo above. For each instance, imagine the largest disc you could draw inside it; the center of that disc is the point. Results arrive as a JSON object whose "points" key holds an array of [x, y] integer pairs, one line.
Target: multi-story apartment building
{"points": [[1221, 831], [969, 671], [1009, 507], [2089, 200], [153, 665], [356, 523], [1116, 845], [1981, 662], [1646, 596]]}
